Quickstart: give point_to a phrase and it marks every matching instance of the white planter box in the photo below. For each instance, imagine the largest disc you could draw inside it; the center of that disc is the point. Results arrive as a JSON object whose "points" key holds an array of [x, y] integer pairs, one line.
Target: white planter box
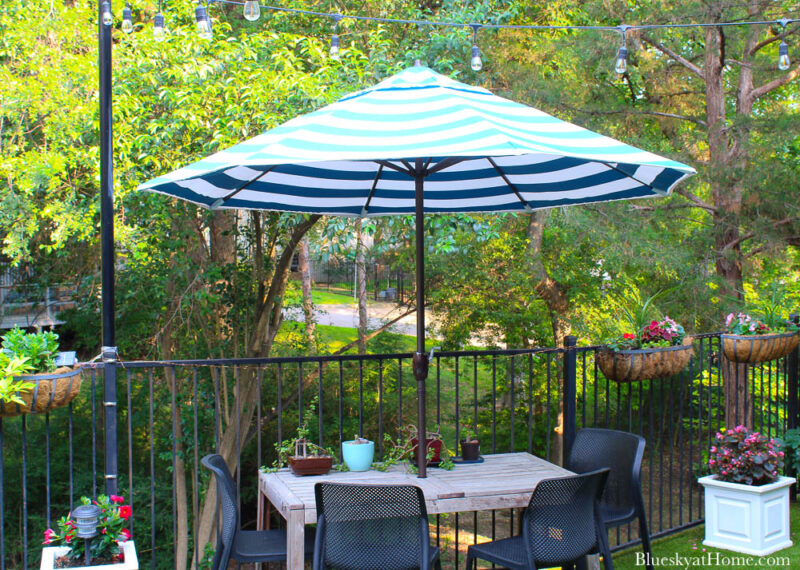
{"points": [[747, 519], [50, 553]]}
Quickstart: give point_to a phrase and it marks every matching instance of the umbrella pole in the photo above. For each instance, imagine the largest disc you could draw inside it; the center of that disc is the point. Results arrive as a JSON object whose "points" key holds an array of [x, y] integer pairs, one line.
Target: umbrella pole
{"points": [[420, 358]]}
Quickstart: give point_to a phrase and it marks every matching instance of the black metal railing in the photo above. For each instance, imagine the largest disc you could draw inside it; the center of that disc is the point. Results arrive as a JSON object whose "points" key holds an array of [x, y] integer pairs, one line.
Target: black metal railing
{"points": [[172, 413]]}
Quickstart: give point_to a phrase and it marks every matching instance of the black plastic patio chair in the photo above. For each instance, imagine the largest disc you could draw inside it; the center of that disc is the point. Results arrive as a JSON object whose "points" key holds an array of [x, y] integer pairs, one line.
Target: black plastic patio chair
{"points": [[244, 545], [621, 502], [560, 527], [372, 527]]}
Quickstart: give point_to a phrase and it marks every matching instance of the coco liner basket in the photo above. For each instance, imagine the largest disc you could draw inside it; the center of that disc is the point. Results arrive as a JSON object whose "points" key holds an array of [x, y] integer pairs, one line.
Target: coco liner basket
{"points": [[52, 390], [646, 363], [758, 348]]}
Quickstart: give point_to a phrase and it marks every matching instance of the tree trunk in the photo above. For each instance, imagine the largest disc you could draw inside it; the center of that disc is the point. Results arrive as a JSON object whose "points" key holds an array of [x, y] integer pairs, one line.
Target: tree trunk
{"points": [[738, 399], [305, 278], [557, 303], [268, 321], [361, 282]]}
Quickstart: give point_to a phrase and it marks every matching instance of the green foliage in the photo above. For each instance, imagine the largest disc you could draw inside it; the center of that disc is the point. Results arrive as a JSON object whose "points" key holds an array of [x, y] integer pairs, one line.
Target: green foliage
{"points": [[38, 349], [791, 449], [11, 389]]}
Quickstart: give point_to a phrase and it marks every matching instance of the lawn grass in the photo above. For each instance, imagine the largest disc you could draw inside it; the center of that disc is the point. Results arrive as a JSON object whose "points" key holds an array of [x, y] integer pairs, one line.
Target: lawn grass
{"points": [[327, 298], [688, 546]]}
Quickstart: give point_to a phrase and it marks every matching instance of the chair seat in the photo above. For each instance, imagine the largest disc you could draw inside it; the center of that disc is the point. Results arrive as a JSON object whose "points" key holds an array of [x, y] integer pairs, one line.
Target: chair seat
{"points": [[507, 551], [266, 545]]}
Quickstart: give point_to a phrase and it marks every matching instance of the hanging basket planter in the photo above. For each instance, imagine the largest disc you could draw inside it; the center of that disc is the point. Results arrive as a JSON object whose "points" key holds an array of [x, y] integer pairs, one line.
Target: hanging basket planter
{"points": [[758, 348], [52, 390], [646, 363]]}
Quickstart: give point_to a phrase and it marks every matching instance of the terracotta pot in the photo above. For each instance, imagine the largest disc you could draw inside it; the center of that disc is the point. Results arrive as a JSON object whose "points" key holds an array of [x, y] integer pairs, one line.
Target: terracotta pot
{"points": [[52, 390], [758, 348], [434, 444], [311, 465], [470, 450], [645, 364]]}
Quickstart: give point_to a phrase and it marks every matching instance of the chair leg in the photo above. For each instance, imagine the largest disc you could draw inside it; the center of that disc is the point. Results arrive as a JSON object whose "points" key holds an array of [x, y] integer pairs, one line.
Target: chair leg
{"points": [[471, 562], [645, 539], [604, 548]]}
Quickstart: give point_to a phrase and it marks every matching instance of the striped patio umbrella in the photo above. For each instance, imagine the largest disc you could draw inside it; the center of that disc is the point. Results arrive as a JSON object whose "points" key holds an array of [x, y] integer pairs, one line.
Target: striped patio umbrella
{"points": [[420, 142]]}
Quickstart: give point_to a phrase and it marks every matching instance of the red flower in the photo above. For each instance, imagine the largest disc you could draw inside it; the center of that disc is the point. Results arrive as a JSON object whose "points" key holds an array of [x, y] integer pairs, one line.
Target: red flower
{"points": [[116, 499], [630, 336], [125, 533], [125, 511]]}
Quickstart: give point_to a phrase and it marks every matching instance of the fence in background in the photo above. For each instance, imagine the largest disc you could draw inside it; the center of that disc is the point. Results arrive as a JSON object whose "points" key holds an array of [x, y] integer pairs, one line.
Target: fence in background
{"points": [[383, 282], [170, 414]]}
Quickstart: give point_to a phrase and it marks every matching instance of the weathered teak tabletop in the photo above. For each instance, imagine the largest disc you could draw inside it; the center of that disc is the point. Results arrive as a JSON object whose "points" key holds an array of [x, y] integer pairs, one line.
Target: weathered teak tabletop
{"points": [[502, 481]]}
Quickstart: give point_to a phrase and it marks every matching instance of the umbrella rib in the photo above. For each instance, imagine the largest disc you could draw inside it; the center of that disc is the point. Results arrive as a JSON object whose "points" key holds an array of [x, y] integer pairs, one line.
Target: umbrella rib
{"points": [[510, 184], [220, 201], [656, 190], [388, 164], [372, 191]]}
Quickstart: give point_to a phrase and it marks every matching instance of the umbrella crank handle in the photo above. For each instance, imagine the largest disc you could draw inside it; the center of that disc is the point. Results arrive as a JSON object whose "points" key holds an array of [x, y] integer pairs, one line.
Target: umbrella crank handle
{"points": [[430, 356]]}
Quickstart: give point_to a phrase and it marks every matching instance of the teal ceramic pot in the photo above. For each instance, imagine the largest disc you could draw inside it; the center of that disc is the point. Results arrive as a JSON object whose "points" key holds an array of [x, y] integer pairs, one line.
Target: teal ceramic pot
{"points": [[358, 456]]}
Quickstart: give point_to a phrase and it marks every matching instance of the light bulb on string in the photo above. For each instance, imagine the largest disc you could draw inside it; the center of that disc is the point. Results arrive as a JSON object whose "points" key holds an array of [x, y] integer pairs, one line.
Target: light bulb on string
{"points": [[252, 10], [334, 51], [108, 18], [203, 22], [159, 33], [783, 57], [475, 62], [621, 63], [127, 19], [783, 50]]}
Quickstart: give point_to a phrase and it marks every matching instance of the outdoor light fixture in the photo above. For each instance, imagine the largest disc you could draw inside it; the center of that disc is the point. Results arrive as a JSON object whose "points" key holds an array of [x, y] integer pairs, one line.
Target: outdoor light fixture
{"points": [[158, 27], [475, 63], [783, 50], [621, 64], [334, 53], [108, 19], [127, 19], [203, 22], [252, 10], [86, 518]]}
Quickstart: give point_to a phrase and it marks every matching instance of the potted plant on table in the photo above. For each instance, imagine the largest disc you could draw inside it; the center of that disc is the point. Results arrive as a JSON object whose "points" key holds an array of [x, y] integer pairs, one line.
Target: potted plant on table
{"points": [[111, 547], [405, 448], [748, 339], [358, 453], [30, 381], [658, 349], [303, 456], [470, 447], [746, 501]]}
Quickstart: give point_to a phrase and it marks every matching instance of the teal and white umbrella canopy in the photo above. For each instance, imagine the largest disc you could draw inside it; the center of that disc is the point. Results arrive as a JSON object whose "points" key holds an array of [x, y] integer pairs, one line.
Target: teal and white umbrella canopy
{"points": [[416, 143], [481, 153]]}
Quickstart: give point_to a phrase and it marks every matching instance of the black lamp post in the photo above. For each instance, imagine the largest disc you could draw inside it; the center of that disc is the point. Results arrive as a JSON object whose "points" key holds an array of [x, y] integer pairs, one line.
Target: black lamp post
{"points": [[109, 349]]}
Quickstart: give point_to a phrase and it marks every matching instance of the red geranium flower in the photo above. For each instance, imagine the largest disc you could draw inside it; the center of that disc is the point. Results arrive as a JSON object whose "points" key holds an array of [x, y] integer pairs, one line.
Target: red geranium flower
{"points": [[125, 512], [630, 336], [116, 499]]}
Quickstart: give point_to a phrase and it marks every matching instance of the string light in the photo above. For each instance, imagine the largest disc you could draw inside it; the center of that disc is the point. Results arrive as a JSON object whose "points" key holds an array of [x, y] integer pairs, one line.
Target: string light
{"points": [[159, 34], [475, 62], [252, 10], [127, 19], [334, 52], [783, 50], [108, 19], [621, 64], [203, 21]]}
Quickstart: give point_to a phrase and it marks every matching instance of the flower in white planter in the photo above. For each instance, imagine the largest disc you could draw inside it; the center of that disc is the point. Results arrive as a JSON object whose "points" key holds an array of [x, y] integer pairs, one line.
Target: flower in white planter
{"points": [[746, 500], [112, 531]]}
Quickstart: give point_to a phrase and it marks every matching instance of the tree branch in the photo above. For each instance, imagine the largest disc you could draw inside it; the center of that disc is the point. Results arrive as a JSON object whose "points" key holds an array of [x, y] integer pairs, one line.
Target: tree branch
{"points": [[699, 202], [680, 59], [751, 234], [775, 83], [694, 120]]}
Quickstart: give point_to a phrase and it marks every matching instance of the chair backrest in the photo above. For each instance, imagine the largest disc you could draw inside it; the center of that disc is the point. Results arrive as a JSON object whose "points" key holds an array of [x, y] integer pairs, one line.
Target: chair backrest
{"points": [[226, 491], [561, 522], [620, 451], [381, 527]]}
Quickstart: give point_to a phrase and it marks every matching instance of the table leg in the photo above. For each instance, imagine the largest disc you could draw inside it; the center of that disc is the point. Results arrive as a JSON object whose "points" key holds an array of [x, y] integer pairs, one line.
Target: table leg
{"points": [[295, 536], [260, 510]]}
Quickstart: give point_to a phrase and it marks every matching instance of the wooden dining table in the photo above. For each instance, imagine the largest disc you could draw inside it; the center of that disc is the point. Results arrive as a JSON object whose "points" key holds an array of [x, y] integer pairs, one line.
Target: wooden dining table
{"points": [[500, 481]]}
